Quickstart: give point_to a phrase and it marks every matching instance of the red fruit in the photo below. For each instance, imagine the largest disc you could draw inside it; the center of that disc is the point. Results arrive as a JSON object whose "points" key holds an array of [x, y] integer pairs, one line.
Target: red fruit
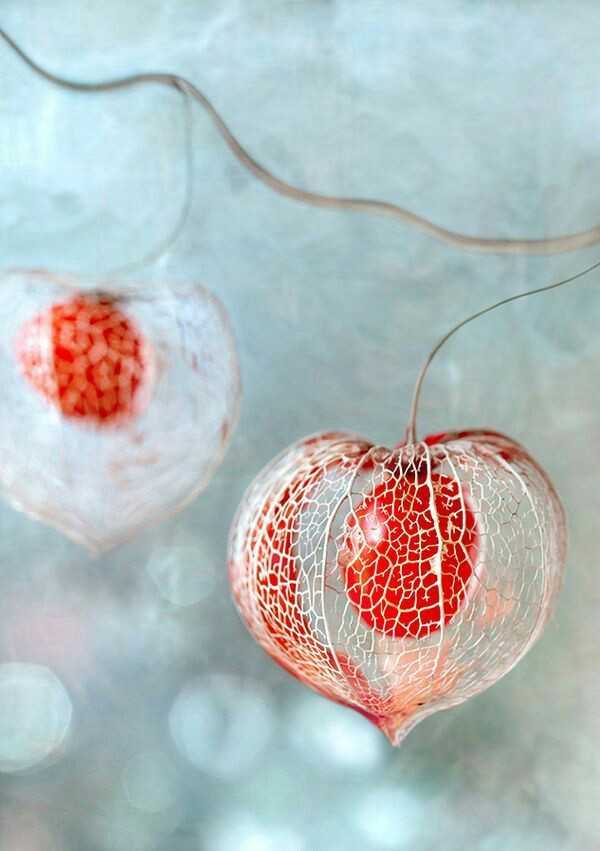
{"points": [[408, 555], [86, 357]]}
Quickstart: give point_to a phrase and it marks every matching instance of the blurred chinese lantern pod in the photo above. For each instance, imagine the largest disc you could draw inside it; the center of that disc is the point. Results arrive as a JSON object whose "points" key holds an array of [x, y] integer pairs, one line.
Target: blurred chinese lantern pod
{"points": [[117, 405], [398, 582], [86, 357]]}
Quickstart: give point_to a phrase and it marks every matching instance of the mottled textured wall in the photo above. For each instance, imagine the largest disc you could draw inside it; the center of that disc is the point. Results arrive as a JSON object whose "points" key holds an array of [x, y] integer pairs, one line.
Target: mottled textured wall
{"points": [[170, 729]]}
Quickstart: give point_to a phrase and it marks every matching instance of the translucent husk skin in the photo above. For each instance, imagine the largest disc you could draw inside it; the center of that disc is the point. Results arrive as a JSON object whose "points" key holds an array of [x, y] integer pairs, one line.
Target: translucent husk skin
{"points": [[289, 567]]}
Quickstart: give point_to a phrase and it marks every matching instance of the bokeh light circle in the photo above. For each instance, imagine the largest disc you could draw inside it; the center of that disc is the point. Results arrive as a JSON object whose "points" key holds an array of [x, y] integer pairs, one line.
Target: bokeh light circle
{"points": [[149, 782], [35, 715], [183, 575], [330, 736], [221, 724]]}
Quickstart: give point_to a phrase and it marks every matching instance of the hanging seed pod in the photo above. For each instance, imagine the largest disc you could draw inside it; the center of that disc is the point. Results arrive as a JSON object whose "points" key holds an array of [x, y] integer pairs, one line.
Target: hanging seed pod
{"points": [[398, 582], [117, 405]]}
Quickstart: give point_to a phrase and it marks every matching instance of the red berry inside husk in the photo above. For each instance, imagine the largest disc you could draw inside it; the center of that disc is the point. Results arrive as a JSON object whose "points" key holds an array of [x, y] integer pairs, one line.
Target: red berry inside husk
{"points": [[87, 358], [408, 555]]}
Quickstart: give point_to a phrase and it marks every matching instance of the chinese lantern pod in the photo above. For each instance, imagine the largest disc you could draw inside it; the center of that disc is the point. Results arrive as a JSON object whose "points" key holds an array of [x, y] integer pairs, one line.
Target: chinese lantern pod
{"points": [[118, 403], [398, 582]]}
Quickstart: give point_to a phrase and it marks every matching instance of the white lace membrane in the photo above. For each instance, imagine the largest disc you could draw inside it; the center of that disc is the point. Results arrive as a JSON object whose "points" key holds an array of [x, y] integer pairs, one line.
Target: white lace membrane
{"points": [[102, 478], [398, 582]]}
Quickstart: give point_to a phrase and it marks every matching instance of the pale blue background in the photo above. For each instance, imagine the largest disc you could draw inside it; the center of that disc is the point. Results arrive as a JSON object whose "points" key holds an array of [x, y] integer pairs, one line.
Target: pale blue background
{"points": [[483, 116]]}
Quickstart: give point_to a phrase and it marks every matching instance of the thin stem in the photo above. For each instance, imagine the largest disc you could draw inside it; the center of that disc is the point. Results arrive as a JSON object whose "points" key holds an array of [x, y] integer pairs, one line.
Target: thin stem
{"points": [[412, 422], [186, 205], [552, 245]]}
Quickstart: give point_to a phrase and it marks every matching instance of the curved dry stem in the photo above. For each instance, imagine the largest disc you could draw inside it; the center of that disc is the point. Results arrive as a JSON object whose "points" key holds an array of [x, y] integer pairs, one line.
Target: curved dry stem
{"points": [[186, 205], [412, 421], [464, 242]]}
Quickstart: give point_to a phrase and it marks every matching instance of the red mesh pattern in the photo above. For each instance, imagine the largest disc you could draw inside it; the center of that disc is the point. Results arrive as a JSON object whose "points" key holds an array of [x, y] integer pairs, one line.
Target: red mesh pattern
{"points": [[398, 582], [393, 539], [86, 357]]}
